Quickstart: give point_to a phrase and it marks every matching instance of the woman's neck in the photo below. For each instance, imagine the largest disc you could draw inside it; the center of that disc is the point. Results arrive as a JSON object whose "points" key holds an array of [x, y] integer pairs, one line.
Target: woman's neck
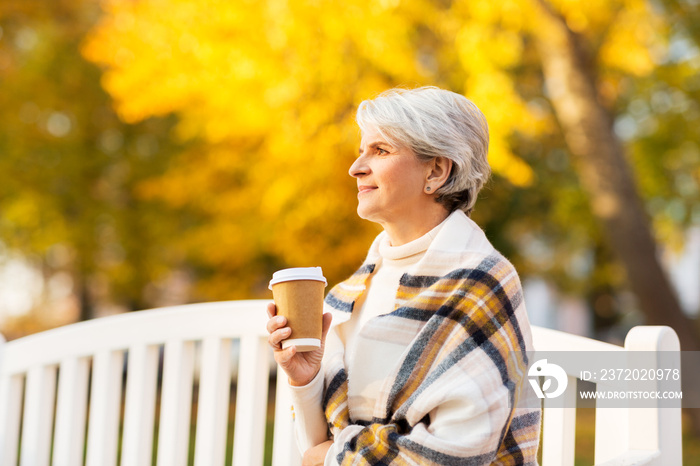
{"points": [[408, 229]]}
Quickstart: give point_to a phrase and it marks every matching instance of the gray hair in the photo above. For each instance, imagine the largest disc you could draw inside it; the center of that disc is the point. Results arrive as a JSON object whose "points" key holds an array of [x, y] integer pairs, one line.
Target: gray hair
{"points": [[434, 122]]}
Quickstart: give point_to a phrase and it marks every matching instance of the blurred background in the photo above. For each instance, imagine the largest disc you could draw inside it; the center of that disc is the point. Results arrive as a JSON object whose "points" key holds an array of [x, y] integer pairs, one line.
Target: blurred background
{"points": [[160, 152]]}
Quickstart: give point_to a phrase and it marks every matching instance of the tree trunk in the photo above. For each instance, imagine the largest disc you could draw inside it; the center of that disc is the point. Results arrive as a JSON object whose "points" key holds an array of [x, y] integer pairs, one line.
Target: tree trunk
{"points": [[86, 307], [600, 161]]}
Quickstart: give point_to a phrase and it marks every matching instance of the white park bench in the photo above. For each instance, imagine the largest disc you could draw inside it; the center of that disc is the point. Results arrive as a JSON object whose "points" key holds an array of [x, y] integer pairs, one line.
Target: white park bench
{"points": [[62, 395]]}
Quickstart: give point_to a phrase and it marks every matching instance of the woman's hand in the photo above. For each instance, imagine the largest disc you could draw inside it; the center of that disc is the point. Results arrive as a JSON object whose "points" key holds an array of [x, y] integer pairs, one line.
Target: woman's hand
{"points": [[301, 368], [316, 456]]}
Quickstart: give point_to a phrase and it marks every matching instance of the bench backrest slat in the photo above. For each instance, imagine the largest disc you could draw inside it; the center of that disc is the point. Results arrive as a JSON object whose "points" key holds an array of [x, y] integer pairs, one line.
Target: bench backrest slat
{"points": [[176, 403], [251, 407], [139, 412], [559, 430], [71, 412], [215, 379], [38, 416], [105, 400], [11, 389]]}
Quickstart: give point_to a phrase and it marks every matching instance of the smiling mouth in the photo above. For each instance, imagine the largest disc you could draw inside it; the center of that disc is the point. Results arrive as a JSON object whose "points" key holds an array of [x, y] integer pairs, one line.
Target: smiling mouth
{"points": [[365, 189]]}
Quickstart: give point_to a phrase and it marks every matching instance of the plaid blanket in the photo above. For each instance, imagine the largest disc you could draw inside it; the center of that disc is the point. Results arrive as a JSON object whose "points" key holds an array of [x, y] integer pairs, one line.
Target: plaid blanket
{"points": [[461, 314]]}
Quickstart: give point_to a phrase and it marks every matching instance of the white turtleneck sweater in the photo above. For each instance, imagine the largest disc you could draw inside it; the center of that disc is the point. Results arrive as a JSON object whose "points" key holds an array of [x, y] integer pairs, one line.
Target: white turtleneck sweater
{"points": [[366, 370]]}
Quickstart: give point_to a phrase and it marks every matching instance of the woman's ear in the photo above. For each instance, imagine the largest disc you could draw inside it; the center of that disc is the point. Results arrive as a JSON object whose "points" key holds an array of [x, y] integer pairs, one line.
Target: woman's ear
{"points": [[440, 168]]}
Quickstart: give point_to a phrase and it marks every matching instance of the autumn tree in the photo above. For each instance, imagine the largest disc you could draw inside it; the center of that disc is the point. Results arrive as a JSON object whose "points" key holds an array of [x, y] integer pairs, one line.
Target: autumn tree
{"points": [[588, 125], [69, 166], [272, 88]]}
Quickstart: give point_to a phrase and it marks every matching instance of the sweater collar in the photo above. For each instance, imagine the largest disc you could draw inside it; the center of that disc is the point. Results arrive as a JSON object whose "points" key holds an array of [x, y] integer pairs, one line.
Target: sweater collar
{"points": [[457, 233], [417, 246]]}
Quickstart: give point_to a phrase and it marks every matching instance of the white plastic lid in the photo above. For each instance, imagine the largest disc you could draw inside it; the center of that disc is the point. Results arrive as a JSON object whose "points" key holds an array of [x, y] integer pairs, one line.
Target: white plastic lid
{"points": [[298, 273]]}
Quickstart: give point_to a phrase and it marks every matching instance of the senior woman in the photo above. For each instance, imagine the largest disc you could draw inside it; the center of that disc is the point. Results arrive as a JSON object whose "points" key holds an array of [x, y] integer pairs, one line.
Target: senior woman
{"points": [[424, 360]]}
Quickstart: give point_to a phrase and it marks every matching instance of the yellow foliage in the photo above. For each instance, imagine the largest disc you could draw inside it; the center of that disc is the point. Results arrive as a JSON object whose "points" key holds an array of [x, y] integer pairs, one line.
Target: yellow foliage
{"points": [[586, 15], [630, 30], [513, 168], [25, 209], [631, 39]]}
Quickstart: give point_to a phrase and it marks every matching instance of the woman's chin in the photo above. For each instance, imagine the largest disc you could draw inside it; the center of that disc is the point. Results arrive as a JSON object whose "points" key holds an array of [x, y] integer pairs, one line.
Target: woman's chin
{"points": [[361, 214], [366, 213]]}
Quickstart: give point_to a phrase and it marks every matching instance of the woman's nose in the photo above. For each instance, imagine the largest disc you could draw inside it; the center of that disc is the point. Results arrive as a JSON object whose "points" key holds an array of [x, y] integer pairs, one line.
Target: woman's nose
{"points": [[358, 167]]}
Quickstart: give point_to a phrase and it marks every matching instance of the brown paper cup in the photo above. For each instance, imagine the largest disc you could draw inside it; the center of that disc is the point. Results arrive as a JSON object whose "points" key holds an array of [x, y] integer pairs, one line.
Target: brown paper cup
{"points": [[298, 294]]}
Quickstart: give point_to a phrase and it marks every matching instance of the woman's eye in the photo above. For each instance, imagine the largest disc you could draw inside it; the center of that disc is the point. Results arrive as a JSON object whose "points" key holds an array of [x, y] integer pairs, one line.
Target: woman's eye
{"points": [[382, 151]]}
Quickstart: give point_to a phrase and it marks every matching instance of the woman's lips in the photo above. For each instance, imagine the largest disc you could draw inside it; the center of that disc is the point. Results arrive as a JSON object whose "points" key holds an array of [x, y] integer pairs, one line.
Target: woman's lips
{"points": [[365, 189]]}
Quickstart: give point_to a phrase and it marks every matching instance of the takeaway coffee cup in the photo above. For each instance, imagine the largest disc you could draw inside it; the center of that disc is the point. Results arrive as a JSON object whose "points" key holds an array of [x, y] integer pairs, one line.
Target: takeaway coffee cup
{"points": [[298, 294]]}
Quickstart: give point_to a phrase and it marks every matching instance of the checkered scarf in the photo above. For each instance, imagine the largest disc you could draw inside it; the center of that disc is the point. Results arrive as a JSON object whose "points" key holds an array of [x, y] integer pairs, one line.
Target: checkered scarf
{"points": [[469, 336]]}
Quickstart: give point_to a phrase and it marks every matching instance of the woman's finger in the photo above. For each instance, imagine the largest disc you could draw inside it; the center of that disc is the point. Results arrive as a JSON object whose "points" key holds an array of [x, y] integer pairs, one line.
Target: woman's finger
{"points": [[275, 323], [271, 310], [278, 336], [327, 318]]}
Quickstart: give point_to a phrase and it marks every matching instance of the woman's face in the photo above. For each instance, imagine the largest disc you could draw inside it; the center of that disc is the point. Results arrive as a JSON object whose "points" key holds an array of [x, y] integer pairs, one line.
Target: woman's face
{"points": [[390, 181]]}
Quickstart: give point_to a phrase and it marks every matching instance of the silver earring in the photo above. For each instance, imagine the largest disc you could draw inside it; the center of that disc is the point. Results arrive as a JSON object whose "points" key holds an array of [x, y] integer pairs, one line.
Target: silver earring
{"points": [[427, 188]]}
